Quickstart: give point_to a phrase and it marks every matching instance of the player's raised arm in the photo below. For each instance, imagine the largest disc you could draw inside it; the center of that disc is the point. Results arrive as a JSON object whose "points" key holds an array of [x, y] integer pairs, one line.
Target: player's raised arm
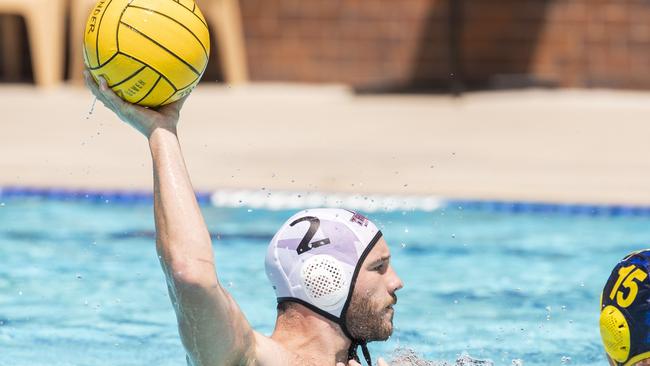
{"points": [[213, 329]]}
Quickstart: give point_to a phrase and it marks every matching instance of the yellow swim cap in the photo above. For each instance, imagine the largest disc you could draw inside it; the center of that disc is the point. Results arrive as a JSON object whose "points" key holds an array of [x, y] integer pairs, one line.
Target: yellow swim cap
{"points": [[615, 333]]}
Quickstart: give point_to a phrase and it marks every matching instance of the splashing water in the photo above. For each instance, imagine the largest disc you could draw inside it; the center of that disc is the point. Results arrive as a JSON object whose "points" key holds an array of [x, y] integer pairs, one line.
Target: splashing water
{"points": [[467, 360], [408, 357], [92, 108]]}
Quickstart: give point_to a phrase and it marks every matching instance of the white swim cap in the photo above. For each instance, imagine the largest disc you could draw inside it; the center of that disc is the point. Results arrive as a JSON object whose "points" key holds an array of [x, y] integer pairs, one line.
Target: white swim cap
{"points": [[315, 257]]}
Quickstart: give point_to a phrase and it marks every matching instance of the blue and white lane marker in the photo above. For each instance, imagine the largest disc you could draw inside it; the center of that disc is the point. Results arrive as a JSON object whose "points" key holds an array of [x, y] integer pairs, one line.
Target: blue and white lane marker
{"points": [[288, 200]]}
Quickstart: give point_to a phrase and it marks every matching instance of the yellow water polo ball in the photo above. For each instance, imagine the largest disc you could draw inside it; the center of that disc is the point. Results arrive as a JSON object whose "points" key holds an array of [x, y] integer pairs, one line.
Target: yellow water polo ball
{"points": [[151, 52]]}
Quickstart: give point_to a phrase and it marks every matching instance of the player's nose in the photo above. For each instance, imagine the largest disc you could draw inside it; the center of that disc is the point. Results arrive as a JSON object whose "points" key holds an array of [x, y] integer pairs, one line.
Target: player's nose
{"points": [[395, 283]]}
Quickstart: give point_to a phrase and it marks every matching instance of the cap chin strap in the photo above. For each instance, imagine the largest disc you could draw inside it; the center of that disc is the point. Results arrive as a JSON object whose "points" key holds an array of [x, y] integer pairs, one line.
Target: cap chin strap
{"points": [[352, 352]]}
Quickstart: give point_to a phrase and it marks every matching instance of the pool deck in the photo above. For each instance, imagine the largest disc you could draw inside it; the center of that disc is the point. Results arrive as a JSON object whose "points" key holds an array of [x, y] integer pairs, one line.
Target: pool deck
{"points": [[554, 146]]}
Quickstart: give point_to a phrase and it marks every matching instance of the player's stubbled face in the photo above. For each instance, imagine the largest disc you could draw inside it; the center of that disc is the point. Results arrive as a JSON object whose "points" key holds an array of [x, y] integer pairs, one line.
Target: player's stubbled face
{"points": [[370, 315]]}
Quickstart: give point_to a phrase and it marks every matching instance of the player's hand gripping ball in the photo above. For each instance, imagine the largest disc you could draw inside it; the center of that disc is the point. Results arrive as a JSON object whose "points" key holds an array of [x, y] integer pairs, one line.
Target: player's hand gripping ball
{"points": [[151, 52]]}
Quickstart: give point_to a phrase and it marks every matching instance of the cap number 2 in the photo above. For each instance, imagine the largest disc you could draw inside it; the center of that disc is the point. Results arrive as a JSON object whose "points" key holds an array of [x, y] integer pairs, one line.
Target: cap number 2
{"points": [[627, 277], [306, 244]]}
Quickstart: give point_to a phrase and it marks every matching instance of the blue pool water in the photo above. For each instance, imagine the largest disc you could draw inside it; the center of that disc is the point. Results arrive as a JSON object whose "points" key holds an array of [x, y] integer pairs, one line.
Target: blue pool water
{"points": [[80, 283]]}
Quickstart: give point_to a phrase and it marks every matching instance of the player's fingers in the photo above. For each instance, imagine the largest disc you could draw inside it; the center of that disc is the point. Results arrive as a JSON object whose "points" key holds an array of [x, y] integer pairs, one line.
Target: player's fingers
{"points": [[94, 88], [174, 107], [91, 84], [125, 110], [353, 363], [179, 103], [110, 94], [381, 362], [107, 96]]}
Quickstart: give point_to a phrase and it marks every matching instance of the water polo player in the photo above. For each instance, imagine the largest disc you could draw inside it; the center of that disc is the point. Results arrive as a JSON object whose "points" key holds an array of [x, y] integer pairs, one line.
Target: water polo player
{"points": [[330, 269], [625, 312]]}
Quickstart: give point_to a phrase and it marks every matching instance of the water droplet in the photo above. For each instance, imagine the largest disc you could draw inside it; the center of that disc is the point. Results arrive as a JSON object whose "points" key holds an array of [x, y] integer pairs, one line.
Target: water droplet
{"points": [[403, 245], [517, 362], [79, 276], [565, 360], [2, 204]]}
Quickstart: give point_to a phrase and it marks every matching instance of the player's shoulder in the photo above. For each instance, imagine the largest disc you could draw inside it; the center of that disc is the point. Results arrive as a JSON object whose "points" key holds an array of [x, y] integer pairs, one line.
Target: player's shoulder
{"points": [[268, 352]]}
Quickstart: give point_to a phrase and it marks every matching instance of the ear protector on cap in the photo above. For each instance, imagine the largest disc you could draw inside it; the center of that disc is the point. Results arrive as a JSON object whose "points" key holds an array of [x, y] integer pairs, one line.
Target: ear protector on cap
{"points": [[625, 310], [615, 333], [325, 281]]}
